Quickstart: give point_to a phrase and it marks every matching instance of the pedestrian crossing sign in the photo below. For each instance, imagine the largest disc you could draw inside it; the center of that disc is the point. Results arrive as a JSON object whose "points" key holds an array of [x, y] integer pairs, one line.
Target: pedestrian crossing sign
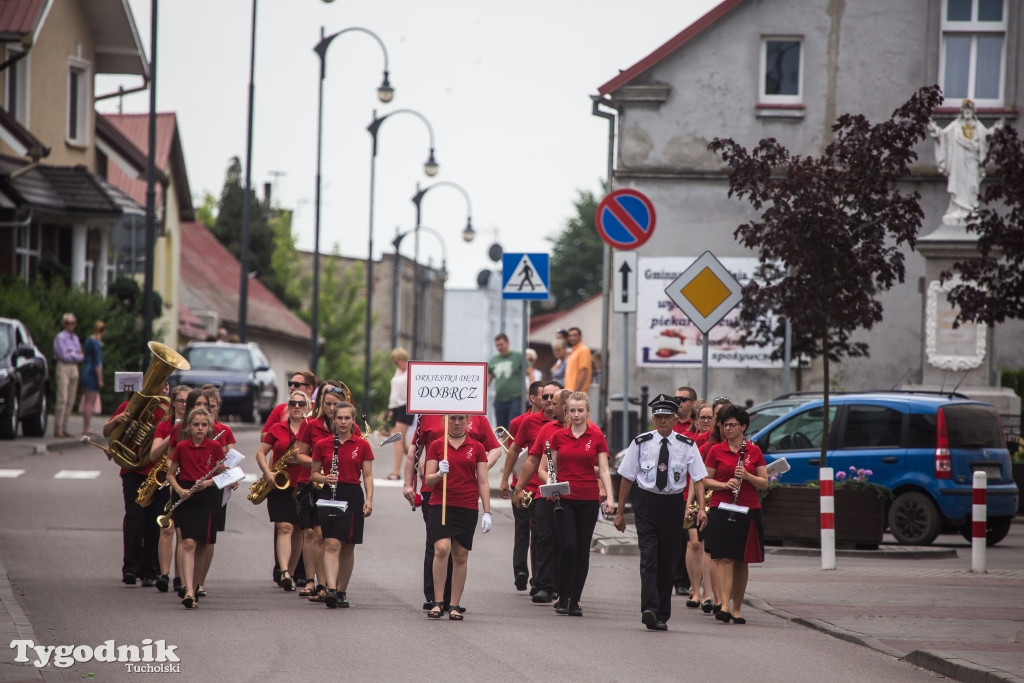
{"points": [[525, 277]]}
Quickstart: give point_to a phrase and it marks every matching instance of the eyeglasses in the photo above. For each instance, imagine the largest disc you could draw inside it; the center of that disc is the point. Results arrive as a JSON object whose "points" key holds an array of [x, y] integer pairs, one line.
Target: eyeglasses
{"points": [[297, 404], [684, 399], [706, 418], [181, 400], [730, 425], [334, 390], [548, 397], [293, 385], [727, 399]]}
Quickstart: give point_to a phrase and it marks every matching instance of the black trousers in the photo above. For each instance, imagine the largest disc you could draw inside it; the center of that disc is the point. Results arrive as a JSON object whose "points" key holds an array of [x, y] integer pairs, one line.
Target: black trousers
{"points": [[576, 522], [659, 523], [139, 531], [545, 546], [428, 560], [681, 578], [522, 540]]}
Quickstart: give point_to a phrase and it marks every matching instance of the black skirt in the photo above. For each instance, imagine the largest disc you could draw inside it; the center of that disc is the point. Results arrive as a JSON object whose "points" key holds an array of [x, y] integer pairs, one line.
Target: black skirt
{"points": [[305, 497], [460, 525], [346, 526], [196, 517], [741, 540], [281, 506]]}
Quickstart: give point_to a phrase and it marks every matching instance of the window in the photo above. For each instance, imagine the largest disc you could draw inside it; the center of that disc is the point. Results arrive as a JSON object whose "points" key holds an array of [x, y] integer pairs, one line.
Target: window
{"points": [[16, 86], [872, 427], [973, 54], [781, 71], [802, 432], [78, 102], [27, 251]]}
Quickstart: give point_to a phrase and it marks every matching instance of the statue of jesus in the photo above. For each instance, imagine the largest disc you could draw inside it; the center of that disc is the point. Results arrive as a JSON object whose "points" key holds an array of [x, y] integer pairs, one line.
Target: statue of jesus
{"points": [[960, 150]]}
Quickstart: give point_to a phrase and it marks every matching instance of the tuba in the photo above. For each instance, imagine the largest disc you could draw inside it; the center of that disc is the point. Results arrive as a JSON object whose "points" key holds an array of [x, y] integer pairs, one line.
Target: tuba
{"points": [[130, 441], [260, 489]]}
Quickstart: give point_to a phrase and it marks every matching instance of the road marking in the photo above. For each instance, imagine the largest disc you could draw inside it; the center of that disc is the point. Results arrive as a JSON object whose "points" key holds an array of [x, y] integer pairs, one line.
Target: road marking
{"points": [[387, 483], [77, 474], [11, 474]]}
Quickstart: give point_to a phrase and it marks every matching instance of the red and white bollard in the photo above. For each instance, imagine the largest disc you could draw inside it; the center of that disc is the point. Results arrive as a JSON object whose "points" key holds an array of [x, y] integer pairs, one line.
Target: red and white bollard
{"points": [[828, 518], [979, 522]]}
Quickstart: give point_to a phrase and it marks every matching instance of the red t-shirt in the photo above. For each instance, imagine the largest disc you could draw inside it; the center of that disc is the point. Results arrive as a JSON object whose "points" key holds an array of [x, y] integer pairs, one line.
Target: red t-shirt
{"points": [[278, 414], [195, 461], [684, 428], [513, 426], [577, 458], [280, 437], [463, 490], [314, 429], [226, 435], [529, 428], [430, 428], [701, 439], [352, 453], [158, 418], [723, 461]]}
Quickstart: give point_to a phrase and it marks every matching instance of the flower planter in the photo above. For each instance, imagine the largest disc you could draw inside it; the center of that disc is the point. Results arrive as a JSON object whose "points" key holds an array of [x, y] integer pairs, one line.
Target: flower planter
{"points": [[792, 515]]}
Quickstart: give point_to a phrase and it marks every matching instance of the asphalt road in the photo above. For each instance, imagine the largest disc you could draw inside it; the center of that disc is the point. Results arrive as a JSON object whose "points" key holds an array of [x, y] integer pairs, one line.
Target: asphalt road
{"points": [[60, 541]]}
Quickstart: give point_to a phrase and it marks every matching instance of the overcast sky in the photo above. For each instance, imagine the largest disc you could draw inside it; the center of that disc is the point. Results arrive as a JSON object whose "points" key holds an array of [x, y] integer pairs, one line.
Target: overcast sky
{"points": [[506, 87]]}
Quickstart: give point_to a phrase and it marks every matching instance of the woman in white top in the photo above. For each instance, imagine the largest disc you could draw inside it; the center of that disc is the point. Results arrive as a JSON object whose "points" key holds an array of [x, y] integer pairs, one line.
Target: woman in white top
{"points": [[397, 407]]}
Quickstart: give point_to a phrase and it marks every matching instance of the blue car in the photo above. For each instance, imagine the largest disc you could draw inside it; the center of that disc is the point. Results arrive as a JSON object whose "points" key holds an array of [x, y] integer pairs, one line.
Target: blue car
{"points": [[924, 447], [242, 374]]}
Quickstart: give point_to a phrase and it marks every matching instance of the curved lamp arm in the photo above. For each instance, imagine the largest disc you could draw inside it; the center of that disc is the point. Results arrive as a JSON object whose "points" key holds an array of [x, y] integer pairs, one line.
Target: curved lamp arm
{"points": [[385, 92], [431, 167]]}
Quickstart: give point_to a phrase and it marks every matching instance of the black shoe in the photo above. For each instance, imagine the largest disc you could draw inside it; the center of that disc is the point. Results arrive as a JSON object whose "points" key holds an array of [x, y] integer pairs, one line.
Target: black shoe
{"points": [[200, 593], [343, 600], [148, 583], [162, 583], [180, 591], [428, 604], [533, 591], [176, 584], [661, 626], [650, 620], [693, 604], [723, 616], [521, 580], [277, 575], [128, 579], [332, 598], [575, 610], [542, 596], [682, 590], [706, 606], [561, 608]]}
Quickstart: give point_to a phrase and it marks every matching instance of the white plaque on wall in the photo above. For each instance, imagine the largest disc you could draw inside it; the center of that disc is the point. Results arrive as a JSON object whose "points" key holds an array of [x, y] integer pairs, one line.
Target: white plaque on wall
{"points": [[946, 347]]}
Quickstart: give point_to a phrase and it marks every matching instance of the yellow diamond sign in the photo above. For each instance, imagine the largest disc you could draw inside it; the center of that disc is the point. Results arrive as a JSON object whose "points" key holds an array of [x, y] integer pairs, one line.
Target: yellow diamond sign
{"points": [[705, 292]]}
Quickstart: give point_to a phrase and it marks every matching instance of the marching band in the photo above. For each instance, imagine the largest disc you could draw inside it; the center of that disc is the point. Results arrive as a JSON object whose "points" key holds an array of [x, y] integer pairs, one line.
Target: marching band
{"points": [[317, 481]]}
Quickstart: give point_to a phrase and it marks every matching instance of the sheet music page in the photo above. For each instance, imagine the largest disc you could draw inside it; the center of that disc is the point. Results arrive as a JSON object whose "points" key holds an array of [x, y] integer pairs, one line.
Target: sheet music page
{"points": [[233, 457], [228, 478]]}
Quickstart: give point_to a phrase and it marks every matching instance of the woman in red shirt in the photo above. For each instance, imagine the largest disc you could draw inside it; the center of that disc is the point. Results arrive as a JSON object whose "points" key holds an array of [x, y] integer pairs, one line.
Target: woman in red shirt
{"points": [[195, 457], [277, 440], [339, 463], [698, 563], [161, 440], [464, 464], [736, 472], [576, 451]]}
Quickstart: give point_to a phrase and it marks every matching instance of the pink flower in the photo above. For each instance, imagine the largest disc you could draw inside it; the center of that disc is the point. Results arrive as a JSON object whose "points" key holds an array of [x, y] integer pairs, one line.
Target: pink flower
{"points": [[840, 476]]}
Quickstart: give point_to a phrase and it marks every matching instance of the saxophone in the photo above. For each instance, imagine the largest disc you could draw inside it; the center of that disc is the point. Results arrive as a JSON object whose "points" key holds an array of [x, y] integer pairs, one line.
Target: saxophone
{"points": [[260, 489], [155, 480]]}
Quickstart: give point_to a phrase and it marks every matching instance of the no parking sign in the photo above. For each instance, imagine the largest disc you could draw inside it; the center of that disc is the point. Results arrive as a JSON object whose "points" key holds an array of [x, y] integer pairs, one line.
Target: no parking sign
{"points": [[625, 219]]}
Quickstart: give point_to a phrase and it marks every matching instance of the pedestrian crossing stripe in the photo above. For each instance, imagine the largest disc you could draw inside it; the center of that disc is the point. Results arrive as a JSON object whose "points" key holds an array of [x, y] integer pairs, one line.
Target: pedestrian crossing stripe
{"points": [[527, 278], [11, 474], [77, 474]]}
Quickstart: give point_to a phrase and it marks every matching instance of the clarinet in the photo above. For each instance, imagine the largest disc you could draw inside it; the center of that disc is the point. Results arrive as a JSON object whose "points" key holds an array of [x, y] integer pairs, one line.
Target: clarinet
{"points": [[334, 467], [552, 476], [741, 459]]}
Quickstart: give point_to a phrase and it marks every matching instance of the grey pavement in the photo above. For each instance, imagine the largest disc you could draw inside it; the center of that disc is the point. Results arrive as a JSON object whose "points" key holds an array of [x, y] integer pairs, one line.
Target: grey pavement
{"points": [[921, 604]]}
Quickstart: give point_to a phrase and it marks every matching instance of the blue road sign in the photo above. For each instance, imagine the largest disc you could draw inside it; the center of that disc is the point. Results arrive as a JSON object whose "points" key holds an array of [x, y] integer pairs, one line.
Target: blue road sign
{"points": [[525, 276], [625, 219]]}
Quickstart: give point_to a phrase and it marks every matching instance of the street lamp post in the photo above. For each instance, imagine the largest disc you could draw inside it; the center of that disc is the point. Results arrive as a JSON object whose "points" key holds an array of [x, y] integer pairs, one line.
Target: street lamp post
{"points": [[430, 168], [468, 234], [397, 243], [385, 93], [243, 287]]}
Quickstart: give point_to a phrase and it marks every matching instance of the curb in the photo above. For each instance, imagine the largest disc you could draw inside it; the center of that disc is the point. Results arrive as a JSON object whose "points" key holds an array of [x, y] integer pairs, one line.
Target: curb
{"points": [[23, 626], [951, 667], [886, 552]]}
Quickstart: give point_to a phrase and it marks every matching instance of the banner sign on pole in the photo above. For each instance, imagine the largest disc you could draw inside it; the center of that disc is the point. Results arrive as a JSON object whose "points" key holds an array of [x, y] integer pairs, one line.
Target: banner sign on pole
{"points": [[441, 388]]}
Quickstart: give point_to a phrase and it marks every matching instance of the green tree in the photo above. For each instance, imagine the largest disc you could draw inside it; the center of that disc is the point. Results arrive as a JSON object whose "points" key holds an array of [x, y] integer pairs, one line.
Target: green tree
{"points": [[206, 212], [576, 255], [830, 232], [284, 261]]}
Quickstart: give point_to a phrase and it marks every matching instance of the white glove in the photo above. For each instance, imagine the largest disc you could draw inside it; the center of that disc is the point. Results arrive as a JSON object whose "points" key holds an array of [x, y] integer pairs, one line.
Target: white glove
{"points": [[442, 466], [485, 522]]}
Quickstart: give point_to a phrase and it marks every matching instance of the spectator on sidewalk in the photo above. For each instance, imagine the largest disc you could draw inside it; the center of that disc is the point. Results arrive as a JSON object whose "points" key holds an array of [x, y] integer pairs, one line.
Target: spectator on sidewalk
{"points": [[92, 376], [67, 351], [579, 367], [505, 371]]}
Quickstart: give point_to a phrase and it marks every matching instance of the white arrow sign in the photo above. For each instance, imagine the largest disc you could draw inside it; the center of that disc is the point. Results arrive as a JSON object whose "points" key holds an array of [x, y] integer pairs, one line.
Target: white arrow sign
{"points": [[624, 281]]}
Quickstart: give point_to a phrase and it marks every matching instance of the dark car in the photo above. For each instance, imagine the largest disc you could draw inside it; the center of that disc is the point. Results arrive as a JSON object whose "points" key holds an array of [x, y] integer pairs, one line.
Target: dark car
{"points": [[248, 387], [24, 381], [765, 413], [924, 447]]}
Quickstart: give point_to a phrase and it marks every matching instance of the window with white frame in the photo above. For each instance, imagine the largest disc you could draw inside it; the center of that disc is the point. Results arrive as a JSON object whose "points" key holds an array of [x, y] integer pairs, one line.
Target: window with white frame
{"points": [[781, 70], [27, 251], [78, 102], [16, 85], [972, 60]]}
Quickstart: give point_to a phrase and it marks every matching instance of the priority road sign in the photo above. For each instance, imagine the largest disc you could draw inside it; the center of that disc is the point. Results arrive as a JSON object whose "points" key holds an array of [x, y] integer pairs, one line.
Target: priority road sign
{"points": [[525, 277], [624, 281], [705, 292], [625, 219]]}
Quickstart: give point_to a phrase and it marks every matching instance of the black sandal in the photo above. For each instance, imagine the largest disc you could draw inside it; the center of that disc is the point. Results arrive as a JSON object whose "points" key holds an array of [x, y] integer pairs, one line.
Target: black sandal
{"points": [[319, 595], [189, 602], [456, 613], [436, 611], [308, 590], [286, 582]]}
